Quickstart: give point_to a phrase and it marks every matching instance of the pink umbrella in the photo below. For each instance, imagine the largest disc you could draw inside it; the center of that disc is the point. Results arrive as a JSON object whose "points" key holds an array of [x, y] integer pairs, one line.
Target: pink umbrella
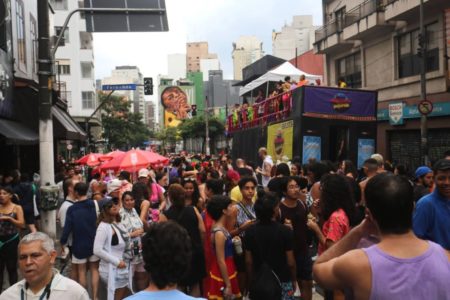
{"points": [[91, 159]]}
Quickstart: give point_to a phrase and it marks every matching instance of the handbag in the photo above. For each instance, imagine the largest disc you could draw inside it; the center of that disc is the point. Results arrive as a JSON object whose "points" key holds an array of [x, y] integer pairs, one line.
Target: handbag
{"points": [[127, 254]]}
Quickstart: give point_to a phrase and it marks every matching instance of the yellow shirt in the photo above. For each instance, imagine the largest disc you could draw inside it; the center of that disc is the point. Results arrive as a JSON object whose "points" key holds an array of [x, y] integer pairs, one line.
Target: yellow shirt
{"points": [[236, 195]]}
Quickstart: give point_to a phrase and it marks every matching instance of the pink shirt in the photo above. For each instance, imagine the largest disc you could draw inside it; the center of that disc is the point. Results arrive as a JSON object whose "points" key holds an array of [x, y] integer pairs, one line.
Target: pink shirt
{"points": [[335, 228]]}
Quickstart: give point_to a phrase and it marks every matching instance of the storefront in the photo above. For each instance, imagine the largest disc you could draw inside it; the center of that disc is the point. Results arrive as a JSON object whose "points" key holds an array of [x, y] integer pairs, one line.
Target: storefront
{"points": [[399, 130]]}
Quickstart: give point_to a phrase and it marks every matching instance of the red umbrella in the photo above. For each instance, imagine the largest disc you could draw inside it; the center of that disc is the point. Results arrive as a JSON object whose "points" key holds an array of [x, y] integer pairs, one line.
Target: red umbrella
{"points": [[91, 159], [156, 158], [111, 155], [130, 161]]}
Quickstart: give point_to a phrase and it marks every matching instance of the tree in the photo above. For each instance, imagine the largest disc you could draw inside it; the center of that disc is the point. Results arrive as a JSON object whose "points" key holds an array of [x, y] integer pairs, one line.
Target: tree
{"points": [[123, 128], [196, 127], [168, 137]]}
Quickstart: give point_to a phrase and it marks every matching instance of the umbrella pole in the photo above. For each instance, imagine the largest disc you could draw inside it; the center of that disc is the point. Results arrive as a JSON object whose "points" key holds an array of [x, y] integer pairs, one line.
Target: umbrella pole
{"points": [[267, 90]]}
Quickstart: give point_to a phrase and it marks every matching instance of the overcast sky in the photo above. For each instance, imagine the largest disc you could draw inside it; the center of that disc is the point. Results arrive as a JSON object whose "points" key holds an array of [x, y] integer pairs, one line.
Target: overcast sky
{"points": [[219, 22]]}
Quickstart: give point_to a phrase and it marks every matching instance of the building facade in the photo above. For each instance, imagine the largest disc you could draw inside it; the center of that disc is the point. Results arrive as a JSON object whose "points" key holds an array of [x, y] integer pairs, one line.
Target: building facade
{"points": [[127, 75], [194, 53], [374, 45], [176, 66], [74, 65], [209, 64], [294, 39], [246, 50], [151, 115]]}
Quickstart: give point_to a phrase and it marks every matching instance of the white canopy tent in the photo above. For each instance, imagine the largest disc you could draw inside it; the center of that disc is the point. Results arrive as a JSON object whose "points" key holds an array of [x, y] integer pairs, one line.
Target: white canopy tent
{"points": [[277, 74]]}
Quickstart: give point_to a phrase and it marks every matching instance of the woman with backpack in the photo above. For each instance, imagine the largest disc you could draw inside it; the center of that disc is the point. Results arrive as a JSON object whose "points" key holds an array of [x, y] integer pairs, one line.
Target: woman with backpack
{"points": [[269, 253], [223, 282]]}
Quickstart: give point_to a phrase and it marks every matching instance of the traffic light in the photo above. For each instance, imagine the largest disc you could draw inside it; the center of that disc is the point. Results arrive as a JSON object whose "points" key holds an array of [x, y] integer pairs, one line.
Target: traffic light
{"points": [[194, 110], [148, 86]]}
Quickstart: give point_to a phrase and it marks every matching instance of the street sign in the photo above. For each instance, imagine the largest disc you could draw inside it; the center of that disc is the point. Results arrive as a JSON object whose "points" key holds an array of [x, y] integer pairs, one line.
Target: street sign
{"points": [[425, 107], [119, 87], [154, 20], [396, 113]]}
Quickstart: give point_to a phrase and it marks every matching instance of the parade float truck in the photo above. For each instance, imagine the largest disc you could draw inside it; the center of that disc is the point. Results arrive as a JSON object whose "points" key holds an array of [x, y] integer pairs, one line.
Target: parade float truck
{"points": [[307, 123]]}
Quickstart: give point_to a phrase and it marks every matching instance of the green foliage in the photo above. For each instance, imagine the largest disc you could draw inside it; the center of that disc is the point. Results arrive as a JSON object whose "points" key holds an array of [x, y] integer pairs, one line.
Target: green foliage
{"points": [[168, 137], [195, 127], [123, 128]]}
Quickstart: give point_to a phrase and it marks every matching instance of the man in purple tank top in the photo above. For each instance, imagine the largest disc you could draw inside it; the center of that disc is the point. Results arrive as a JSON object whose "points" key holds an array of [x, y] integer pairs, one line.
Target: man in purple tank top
{"points": [[401, 266]]}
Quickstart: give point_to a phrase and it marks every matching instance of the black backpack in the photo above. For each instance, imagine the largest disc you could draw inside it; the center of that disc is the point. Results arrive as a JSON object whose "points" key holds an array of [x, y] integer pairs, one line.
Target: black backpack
{"points": [[265, 284]]}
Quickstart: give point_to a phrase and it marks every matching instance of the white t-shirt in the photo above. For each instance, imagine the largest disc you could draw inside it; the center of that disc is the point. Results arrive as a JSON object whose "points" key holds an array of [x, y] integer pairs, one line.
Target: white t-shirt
{"points": [[61, 288], [265, 179]]}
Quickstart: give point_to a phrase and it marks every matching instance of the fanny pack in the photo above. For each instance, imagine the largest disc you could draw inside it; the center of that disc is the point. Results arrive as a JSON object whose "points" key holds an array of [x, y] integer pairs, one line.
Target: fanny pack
{"points": [[11, 239]]}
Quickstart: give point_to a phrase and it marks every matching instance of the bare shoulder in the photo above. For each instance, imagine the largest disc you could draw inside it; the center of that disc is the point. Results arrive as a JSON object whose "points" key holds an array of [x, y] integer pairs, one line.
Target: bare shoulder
{"points": [[351, 264], [448, 254]]}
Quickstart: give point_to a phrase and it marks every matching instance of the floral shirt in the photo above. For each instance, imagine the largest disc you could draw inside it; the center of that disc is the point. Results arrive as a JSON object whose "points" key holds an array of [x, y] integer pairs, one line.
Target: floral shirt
{"points": [[131, 221], [335, 228]]}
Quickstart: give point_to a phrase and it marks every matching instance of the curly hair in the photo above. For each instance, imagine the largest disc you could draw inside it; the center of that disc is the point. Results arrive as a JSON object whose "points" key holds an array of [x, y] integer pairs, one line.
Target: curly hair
{"points": [[167, 253], [196, 194], [336, 193]]}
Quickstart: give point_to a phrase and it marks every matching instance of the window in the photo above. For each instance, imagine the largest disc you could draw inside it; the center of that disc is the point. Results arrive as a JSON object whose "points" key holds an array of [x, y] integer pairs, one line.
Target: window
{"points": [[66, 33], [349, 70], [409, 61], [63, 66], [20, 26], [59, 4], [88, 100], [34, 43], [86, 69]]}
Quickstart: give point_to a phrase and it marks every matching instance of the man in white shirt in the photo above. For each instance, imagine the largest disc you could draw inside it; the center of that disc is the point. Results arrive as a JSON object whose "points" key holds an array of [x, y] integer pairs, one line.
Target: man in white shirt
{"points": [[266, 166], [37, 256]]}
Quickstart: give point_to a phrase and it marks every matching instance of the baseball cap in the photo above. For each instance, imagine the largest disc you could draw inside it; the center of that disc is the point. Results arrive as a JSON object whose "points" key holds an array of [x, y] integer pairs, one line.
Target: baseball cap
{"points": [[114, 185], [421, 171], [442, 165], [107, 202], [233, 175], [143, 173], [378, 157]]}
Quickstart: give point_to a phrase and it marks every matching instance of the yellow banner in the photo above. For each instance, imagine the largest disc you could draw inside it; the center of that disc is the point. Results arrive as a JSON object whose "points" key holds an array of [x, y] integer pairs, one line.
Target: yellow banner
{"points": [[280, 140]]}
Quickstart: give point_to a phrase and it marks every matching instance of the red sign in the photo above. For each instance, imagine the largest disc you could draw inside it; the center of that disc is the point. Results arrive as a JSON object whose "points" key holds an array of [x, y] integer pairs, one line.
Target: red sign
{"points": [[425, 107]]}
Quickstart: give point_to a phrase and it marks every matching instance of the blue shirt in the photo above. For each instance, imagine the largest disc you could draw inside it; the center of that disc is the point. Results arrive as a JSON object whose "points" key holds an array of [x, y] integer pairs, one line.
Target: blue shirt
{"points": [[161, 295], [432, 219], [81, 221]]}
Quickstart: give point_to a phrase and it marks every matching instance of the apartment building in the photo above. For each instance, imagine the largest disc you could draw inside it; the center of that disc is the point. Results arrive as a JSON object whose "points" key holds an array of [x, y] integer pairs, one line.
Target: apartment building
{"points": [[294, 39], [74, 65], [194, 53], [246, 50], [374, 45], [126, 75]]}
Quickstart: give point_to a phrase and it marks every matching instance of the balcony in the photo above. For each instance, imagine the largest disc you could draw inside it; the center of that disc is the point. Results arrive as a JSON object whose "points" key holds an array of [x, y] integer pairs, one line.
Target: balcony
{"points": [[365, 21], [329, 38], [408, 10], [273, 109]]}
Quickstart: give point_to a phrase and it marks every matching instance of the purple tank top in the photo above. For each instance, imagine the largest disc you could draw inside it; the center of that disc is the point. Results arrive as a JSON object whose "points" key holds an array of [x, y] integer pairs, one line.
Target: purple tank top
{"points": [[423, 277]]}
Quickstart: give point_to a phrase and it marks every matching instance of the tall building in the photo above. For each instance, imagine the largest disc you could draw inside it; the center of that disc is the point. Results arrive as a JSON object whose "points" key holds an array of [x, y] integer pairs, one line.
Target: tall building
{"points": [[246, 50], [125, 75], [151, 115], [220, 92], [209, 64], [293, 39], [75, 64], [194, 53], [374, 45], [176, 66]]}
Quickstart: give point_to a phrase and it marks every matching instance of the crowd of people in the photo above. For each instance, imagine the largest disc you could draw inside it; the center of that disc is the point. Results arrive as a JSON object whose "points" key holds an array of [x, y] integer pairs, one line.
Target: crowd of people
{"points": [[224, 228]]}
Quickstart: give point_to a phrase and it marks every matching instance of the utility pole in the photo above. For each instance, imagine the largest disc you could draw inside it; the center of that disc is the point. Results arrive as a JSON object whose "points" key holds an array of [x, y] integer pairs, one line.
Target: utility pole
{"points": [[45, 113], [208, 152], [423, 86]]}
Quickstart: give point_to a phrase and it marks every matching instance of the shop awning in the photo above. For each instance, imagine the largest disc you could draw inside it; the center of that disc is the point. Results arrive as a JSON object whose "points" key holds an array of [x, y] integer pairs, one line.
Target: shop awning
{"points": [[16, 133], [64, 127]]}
